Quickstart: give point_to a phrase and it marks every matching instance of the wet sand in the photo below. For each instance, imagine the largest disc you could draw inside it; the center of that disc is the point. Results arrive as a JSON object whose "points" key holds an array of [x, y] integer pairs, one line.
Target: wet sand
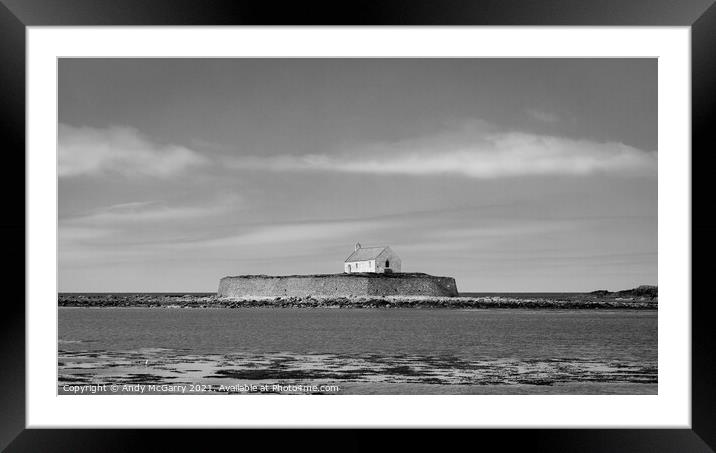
{"points": [[166, 371]]}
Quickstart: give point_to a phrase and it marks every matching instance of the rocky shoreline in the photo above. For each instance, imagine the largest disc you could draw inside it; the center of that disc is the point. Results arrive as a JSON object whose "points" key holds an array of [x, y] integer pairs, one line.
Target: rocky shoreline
{"points": [[597, 300]]}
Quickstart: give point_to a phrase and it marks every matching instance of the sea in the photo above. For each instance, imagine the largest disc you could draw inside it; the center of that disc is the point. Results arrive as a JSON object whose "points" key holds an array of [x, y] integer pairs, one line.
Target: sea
{"points": [[219, 351]]}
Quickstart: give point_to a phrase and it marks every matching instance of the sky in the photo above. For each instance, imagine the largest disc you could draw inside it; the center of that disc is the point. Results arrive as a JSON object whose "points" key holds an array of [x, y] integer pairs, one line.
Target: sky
{"points": [[506, 174]]}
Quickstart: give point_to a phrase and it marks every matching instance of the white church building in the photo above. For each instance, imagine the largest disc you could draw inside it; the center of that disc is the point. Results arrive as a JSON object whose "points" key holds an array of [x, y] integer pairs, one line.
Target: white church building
{"points": [[372, 259]]}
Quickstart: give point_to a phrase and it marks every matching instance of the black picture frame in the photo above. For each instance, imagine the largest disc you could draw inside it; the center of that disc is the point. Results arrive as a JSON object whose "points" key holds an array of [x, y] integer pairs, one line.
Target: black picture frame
{"points": [[16, 15]]}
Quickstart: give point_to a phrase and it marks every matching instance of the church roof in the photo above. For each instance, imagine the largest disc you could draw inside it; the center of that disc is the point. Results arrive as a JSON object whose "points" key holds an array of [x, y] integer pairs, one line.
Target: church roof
{"points": [[366, 253]]}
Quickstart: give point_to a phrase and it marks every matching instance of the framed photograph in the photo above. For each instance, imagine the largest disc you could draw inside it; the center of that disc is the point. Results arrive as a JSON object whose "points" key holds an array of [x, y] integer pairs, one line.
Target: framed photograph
{"points": [[231, 224]]}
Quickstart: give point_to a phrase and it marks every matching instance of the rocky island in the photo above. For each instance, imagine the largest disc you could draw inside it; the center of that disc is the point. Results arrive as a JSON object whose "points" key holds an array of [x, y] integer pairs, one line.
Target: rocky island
{"points": [[639, 298]]}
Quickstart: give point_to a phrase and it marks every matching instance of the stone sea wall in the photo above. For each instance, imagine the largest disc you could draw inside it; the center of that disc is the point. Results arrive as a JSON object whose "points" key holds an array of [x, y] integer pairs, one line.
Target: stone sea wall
{"points": [[337, 285]]}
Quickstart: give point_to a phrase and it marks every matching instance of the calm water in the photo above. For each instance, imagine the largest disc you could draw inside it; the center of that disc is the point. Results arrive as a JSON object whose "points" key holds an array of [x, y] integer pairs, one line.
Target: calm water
{"points": [[364, 350]]}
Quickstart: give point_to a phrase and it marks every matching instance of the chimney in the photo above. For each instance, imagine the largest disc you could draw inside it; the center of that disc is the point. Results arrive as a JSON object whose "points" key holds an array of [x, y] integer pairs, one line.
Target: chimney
{"points": [[357, 246]]}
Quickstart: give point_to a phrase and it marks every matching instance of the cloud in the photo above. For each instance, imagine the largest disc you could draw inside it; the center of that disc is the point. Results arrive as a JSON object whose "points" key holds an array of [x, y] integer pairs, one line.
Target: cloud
{"points": [[297, 233], [152, 211], [128, 229], [510, 230], [545, 117], [71, 233], [86, 151], [479, 153], [476, 150]]}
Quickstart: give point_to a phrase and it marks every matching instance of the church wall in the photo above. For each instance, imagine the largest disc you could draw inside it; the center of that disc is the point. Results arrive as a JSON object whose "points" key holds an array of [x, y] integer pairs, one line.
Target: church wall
{"points": [[388, 255]]}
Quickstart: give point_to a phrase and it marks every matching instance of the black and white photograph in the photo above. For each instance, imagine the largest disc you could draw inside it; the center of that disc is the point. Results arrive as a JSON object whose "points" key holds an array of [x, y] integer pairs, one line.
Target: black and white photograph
{"points": [[357, 226]]}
